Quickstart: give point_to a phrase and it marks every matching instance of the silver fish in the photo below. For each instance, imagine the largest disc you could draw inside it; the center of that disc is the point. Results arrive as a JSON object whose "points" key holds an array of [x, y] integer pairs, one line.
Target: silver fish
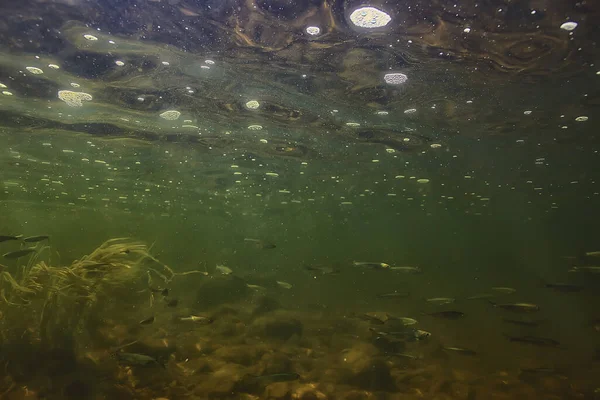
{"points": [[224, 270], [136, 359], [35, 239], [196, 318], [376, 265], [19, 253]]}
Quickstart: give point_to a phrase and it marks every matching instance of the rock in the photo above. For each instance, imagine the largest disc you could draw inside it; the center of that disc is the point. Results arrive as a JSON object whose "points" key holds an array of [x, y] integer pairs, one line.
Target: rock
{"points": [[308, 392], [222, 382], [278, 391], [221, 290], [275, 363], [239, 354], [277, 325], [157, 348], [264, 305], [366, 370]]}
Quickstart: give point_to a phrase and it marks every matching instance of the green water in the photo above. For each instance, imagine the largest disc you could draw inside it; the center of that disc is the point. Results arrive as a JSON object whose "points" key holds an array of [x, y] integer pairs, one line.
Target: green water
{"points": [[480, 170]]}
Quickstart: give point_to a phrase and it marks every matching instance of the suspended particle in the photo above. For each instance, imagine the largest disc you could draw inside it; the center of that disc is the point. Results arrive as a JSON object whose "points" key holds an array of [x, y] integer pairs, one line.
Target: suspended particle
{"points": [[369, 17], [209, 62], [90, 37], [569, 26], [255, 127], [170, 115], [7, 93], [582, 118], [395, 78], [53, 66], [34, 70], [119, 63], [75, 85], [353, 124], [410, 111], [423, 180], [252, 105], [435, 145], [313, 30]]}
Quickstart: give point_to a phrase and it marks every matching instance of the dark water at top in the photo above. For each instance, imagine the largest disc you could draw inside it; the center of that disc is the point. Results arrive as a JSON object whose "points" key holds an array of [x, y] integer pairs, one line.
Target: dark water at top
{"points": [[287, 140]]}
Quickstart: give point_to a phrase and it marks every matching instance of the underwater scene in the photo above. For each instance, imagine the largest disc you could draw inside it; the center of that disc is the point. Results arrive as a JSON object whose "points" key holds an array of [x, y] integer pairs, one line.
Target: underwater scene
{"points": [[299, 199]]}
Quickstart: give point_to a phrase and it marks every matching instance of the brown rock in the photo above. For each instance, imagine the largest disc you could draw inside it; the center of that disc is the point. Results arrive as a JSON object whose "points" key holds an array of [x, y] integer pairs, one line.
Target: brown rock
{"points": [[239, 354], [278, 325]]}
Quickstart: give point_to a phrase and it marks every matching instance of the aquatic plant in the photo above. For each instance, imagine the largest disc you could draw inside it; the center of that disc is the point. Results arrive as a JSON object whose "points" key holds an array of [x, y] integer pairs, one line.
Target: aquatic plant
{"points": [[54, 305]]}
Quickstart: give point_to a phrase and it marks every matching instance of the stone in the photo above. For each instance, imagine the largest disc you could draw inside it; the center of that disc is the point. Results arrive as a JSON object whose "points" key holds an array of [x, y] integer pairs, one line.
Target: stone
{"points": [[278, 325], [238, 354]]}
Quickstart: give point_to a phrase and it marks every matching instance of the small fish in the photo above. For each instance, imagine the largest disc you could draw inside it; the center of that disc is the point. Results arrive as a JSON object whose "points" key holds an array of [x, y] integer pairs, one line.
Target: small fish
{"points": [[284, 285], [440, 300], [534, 340], [6, 238], [410, 335], [518, 307], [19, 253], [504, 290], [447, 314], [147, 321], [406, 321], [375, 265], [590, 269], [268, 379], [134, 359], [322, 270], [172, 302], [196, 318], [407, 269], [593, 253], [564, 287], [374, 317], [394, 295], [460, 350], [521, 322], [255, 287], [35, 239], [418, 334], [405, 355], [260, 243], [224, 270]]}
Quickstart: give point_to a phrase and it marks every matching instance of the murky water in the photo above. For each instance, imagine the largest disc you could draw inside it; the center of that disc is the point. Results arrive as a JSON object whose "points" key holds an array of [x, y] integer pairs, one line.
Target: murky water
{"points": [[299, 199]]}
